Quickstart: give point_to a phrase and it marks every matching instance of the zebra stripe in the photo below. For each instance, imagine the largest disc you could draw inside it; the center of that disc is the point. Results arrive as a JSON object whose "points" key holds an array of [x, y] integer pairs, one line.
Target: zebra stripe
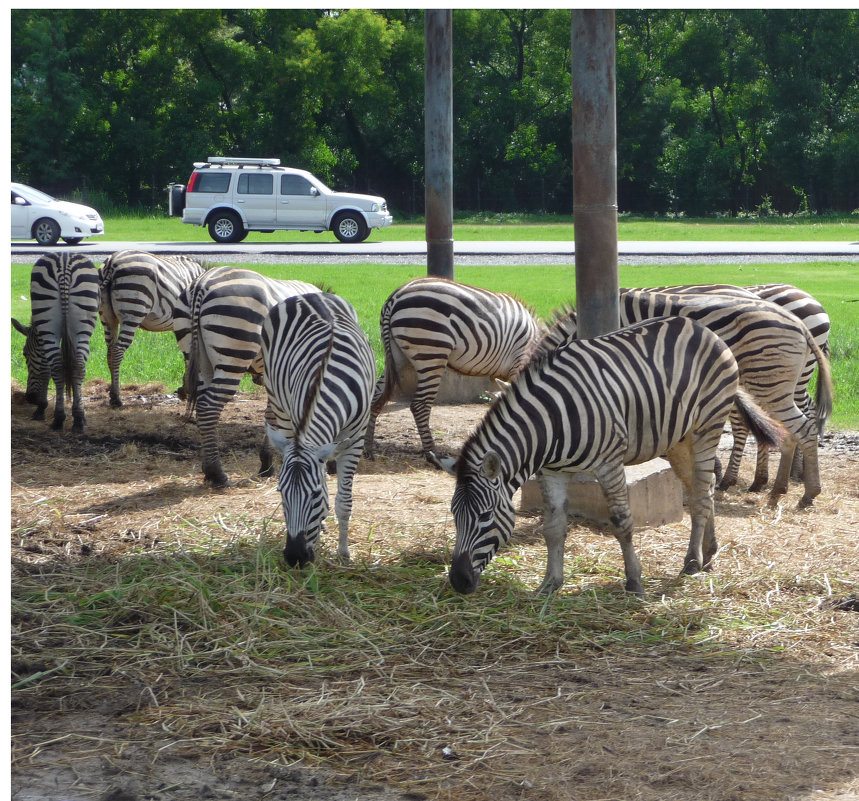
{"points": [[813, 315], [139, 290], [218, 324], [433, 324], [662, 387], [64, 299], [319, 374]]}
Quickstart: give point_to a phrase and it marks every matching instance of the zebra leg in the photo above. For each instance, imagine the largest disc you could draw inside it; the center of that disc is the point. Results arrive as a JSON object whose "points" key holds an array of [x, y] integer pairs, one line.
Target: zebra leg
{"points": [[115, 354], [740, 434], [58, 376], [803, 433], [37, 392], [693, 461], [612, 479], [553, 487], [211, 400], [762, 468], [347, 464], [429, 380], [81, 354]]}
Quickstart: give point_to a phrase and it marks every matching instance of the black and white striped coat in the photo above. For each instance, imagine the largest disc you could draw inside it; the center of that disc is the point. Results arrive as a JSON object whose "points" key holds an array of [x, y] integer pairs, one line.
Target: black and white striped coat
{"points": [[771, 347], [319, 373], [218, 324], [433, 324], [814, 316], [139, 290], [64, 298], [660, 388]]}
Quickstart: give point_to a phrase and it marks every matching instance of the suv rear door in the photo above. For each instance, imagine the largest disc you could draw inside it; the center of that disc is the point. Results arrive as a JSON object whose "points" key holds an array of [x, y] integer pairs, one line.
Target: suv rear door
{"points": [[300, 204], [255, 197]]}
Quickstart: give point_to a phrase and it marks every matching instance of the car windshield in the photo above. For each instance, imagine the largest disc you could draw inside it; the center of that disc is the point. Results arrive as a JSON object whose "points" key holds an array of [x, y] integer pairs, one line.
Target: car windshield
{"points": [[34, 195]]}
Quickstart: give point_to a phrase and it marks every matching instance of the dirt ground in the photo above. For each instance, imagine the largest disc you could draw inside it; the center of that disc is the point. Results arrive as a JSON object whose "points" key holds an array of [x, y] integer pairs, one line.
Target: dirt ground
{"points": [[671, 727]]}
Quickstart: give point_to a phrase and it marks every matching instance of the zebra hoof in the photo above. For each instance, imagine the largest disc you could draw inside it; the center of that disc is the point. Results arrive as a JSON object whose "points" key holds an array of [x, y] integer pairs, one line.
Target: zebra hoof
{"points": [[805, 502], [115, 403], [757, 486], [219, 481]]}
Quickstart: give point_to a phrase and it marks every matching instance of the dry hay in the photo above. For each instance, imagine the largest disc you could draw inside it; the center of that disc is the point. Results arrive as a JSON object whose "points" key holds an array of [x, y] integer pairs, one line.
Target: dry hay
{"points": [[160, 649]]}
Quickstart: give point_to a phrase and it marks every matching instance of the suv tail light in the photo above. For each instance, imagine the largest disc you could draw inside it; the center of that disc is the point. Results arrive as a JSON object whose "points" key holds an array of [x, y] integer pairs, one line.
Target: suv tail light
{"points": [[192, 181]]}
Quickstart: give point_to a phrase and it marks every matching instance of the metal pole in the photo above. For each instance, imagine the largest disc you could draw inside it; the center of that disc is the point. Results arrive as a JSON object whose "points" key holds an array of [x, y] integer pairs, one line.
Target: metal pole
{"points": [[438, 142], [595, 171]]}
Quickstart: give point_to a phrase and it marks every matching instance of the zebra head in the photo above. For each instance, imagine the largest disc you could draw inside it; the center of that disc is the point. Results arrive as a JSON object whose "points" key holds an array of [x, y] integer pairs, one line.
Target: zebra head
{"points": [[304, 493], [37, 366], [482, 509]]}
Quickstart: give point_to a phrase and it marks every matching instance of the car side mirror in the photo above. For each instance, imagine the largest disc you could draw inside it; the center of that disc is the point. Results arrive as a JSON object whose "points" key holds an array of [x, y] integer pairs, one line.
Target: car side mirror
{"points": [[314, 191], [19, 201]]}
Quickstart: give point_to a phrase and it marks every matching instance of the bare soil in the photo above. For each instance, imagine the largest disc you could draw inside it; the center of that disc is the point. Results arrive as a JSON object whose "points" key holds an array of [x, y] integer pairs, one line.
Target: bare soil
{"points": [[775, 717]]}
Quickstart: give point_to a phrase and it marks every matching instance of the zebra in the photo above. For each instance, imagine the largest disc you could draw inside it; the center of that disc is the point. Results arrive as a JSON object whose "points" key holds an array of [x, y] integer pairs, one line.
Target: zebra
{"points": [[319, 374], [218, 323], [811, 312], [139, 290], [433, 324], [64, 299], [663, 387], [771, 347]]}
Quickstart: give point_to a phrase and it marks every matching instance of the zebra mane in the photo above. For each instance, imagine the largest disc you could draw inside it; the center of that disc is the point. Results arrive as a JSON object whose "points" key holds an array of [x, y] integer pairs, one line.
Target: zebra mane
{"points": [[562, 329], [321, 309]]}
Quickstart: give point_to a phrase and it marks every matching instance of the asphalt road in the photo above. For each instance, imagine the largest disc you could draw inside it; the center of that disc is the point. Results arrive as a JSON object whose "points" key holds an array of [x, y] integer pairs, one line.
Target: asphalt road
{"points": [[465, 252]]}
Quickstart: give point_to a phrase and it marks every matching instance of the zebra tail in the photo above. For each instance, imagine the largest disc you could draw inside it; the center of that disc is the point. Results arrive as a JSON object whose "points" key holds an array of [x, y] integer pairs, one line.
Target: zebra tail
{"points": [[192, 368], [765, 430], [824, 395], [390, 377]]}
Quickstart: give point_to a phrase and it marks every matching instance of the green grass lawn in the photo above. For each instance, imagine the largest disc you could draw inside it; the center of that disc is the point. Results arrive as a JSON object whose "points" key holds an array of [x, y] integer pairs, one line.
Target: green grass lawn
{"points": [[517, 228], [155, 357]]}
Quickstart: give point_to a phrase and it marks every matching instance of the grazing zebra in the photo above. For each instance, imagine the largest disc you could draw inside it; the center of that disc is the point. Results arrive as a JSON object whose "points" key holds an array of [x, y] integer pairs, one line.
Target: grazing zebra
{"points": [[139, 290], [771, 347], [319, 374], [218, 323], [660, 388], [433, 324], [812, 313], [64, 304]]}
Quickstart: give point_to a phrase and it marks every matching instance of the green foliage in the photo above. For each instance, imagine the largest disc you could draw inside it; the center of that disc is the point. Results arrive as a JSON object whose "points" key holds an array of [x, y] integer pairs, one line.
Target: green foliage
{"points": [[717, 109]]}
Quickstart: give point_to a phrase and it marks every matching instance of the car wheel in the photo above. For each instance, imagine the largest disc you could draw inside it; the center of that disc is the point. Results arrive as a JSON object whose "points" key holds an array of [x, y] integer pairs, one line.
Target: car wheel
{"points": [[226, 226], [73, 240], [46, 231], [350, 227]]}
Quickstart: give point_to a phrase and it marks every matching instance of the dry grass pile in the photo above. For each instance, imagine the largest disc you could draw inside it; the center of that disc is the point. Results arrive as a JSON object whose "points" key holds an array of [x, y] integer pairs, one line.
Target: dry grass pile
{"points": [[152, 601]]}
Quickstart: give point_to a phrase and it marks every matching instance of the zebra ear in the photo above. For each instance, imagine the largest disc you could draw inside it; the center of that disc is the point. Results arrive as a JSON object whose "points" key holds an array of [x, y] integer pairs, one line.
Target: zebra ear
{"points": [[330, 451], [21, 328], [278, 439], [503, 386], [491, 465], [446, 463]]}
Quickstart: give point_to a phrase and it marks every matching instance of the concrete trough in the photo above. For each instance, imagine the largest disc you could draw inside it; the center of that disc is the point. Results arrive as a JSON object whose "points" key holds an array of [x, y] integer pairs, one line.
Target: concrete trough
{"points": [[655, 495]]}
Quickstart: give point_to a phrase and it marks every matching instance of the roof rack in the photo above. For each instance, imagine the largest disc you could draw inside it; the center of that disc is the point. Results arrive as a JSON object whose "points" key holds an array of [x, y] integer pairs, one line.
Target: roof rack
{"points": [[244, 162]]}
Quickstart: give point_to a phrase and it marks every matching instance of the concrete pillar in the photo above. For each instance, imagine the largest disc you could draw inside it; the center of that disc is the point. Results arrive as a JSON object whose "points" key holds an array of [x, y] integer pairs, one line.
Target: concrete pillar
{"points": [[438, 141], [595, 171]]}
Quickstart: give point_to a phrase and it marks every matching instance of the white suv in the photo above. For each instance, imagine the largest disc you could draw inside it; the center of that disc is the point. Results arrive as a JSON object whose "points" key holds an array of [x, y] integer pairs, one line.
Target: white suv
{"points": [[233, 196]]}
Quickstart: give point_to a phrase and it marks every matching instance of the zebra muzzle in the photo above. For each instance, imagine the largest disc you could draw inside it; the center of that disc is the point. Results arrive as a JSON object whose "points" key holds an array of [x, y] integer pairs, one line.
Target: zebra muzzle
{"points": [[297, 551], [462, 575]]}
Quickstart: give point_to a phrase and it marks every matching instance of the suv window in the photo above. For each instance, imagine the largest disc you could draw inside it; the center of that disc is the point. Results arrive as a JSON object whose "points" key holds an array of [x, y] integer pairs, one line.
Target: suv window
{"points": [[212, 182], [294, 185], [255, 184]]}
